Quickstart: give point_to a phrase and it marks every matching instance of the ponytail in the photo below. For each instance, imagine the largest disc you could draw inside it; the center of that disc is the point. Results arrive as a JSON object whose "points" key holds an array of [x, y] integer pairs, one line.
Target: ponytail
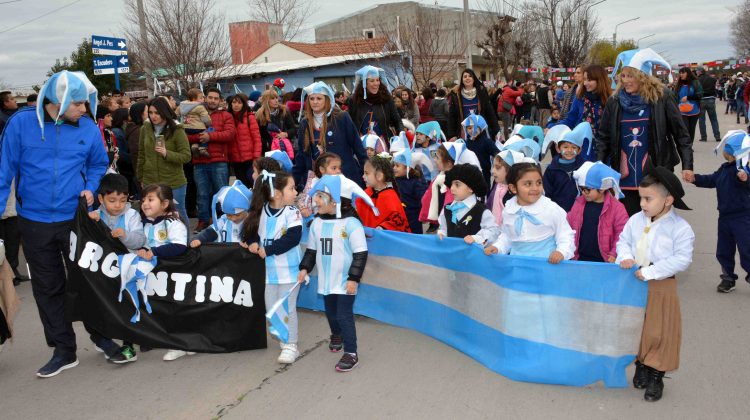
{"points": [[263, 190]]}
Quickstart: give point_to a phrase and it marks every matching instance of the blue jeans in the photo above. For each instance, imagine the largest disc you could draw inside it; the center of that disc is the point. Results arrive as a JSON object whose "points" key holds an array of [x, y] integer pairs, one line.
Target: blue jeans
{"points": [[340, 314], [741, 111], [209, 178], [179, 197], [708, 105]]}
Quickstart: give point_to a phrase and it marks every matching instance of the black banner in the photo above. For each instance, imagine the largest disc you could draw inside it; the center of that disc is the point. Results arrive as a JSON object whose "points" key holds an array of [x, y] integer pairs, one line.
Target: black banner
{"points": [[210, 300]]}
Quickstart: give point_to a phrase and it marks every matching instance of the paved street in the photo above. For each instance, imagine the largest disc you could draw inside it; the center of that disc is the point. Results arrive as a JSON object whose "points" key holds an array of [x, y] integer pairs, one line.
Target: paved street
{"points": [[402, 374]]}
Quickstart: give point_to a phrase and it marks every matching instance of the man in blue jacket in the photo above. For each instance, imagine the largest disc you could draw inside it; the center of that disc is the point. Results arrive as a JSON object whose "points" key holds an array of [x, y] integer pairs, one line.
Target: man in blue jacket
{"points": [[55, 154]]}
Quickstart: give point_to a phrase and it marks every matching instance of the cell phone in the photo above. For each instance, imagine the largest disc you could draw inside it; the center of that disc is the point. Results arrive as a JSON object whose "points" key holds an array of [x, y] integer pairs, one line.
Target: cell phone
{"points": [[160, 141]]}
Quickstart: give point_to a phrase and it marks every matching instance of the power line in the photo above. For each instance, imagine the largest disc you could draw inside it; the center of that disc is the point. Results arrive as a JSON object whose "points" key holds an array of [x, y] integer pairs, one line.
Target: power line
{"points": [[39, 17], [11, 1]]}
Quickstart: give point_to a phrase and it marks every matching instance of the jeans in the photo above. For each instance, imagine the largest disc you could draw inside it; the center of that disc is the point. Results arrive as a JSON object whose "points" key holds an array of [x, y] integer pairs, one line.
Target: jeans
{"points": [[741, 110], [179, 197], [708, 105], [273, 293], [340, 314], [209, 178]]}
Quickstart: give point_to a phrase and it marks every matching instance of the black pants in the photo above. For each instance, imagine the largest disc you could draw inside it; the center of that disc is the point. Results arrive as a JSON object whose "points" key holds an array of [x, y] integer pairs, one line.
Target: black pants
{"points": [[733, 236], [244, 172], [12, 237], [691, 122], [191, 193], [632, 201], [340, 314]]}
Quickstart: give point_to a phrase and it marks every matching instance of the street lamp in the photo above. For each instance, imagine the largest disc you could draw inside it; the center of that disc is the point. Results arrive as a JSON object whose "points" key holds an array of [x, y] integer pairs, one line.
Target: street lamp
{"points": [[614, 35], [638, 42]]}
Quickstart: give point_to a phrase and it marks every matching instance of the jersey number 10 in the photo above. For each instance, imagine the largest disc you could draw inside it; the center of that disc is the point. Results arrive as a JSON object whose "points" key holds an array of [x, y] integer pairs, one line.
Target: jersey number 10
{"points": [[326, 246]]}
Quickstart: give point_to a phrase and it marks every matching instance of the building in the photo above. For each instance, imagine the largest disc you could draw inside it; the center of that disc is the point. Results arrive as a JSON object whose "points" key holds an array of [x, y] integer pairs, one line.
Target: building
{"points": [[405, 23], [249, 39], [287, 51]]}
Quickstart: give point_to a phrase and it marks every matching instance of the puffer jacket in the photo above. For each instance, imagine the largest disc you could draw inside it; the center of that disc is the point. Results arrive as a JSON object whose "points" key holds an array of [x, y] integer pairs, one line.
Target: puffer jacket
{"points": [[668, 139], [247, 145], [219, 140], [611, 223]]}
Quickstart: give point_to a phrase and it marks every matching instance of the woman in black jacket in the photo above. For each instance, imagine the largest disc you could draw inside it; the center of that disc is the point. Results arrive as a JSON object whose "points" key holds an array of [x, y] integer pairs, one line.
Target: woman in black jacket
{"points": [[372, 103], [640, 126], [469, 95]]}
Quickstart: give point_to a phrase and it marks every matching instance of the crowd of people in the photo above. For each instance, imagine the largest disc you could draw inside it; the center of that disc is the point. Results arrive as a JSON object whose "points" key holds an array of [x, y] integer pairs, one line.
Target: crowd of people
{"points": [[463, 163]]}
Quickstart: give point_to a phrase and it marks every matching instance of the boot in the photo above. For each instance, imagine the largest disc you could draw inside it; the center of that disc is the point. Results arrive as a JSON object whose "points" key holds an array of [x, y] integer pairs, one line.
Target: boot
{"points": [[640, 379], [655, 385]]}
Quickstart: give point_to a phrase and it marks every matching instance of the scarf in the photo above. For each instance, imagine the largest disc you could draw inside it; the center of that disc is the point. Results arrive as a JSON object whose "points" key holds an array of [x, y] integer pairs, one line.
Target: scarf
{"points": [[521, 216], [318, 119], [642, 247], [454, 207], [158, 128], [438, 187], [592, 110], [632, 104], [469, 93], [497, 202]]}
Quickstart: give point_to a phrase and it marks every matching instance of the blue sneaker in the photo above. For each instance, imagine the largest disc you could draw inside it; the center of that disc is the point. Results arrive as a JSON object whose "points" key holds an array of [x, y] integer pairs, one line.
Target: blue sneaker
{"points": [[56, 365]]}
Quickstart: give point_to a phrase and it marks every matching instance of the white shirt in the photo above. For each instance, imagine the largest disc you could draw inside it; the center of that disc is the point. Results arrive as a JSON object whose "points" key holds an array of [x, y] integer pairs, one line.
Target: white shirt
{"points": [[165, 232], [489, 230], [553, 220], [335, 240], [670, 244]]}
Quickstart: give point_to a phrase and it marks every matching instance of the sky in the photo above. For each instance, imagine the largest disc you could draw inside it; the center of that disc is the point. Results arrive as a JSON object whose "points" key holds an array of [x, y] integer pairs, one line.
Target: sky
{"points": [[685, 30]]}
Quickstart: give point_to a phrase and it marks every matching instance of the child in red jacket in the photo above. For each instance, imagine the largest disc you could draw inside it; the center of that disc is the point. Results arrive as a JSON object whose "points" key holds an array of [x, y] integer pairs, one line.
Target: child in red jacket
{"points": [[381, 188], [597, 216]]}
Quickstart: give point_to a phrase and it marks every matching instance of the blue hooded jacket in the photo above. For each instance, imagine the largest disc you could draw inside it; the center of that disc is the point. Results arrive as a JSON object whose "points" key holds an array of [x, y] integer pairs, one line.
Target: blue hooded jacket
{"points": [[50, 173], [559, 185]]}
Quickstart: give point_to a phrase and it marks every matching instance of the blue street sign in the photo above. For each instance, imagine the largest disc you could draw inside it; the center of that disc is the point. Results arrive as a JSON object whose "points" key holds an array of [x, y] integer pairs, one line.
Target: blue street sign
{"points": [[108, 63], [103, 45]]}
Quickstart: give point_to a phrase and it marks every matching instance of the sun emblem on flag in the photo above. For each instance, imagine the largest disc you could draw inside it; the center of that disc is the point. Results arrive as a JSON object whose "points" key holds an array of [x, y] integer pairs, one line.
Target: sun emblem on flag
{"points": [[283, 231], [162, 235], [344, 234]]}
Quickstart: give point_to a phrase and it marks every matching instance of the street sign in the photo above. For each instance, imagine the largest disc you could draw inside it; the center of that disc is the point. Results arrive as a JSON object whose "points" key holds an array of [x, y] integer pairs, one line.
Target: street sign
{"points": [[103, 45], [107, 64]]}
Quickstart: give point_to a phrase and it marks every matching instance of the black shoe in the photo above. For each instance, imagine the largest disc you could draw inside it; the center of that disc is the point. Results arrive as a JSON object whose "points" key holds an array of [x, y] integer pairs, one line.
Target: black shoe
{"points": [[19, 279], [126, 355], [703, 140], [106, 346], [56, 365], [336, 343], [718, 139], [348, 362], [655, 386], [726, 285], [640, 379]]}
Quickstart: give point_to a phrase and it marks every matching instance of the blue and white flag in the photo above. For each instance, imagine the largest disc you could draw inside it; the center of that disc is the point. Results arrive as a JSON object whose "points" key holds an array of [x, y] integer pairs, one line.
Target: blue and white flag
{"points": [[134, 272], [573, 323], [278, 317]]}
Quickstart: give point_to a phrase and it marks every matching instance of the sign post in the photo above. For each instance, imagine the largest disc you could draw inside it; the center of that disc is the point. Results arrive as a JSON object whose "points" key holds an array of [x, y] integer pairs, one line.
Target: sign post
{"points": [[115, 56]]}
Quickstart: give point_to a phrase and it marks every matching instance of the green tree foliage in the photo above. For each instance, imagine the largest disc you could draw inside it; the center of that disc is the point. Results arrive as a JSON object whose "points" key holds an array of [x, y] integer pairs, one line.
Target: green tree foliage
{"points": [[604, 54], [82, 59]]}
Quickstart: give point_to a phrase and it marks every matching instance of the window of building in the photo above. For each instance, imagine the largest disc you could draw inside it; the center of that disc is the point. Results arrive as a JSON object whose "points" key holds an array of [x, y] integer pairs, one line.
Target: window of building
{"points": [[368, 33]]}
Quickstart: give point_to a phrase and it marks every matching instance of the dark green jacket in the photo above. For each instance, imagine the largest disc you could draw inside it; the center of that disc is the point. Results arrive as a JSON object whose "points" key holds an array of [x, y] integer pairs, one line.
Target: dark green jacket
{"points": [[153, 168]]}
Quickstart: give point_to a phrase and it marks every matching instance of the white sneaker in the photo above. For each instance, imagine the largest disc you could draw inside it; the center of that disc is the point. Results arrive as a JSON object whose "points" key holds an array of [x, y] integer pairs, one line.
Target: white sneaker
{"points": [[288, 354], [176, 354]]}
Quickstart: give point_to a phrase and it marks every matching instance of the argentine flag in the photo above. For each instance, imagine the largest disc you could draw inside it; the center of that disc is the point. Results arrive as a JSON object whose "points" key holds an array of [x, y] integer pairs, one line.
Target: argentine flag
{"points": [[134, 272], [278, 317]]}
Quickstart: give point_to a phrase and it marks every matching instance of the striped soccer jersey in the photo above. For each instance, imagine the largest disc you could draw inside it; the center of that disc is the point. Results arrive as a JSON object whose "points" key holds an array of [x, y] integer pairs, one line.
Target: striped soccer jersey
{"points": [[228, 231], [335, 240], [165, 232], [280, 269]]}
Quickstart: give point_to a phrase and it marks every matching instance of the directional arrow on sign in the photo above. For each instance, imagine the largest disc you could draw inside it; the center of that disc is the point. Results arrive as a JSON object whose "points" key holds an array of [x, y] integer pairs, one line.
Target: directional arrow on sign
{"points": [[121, 44], [124, 61]]}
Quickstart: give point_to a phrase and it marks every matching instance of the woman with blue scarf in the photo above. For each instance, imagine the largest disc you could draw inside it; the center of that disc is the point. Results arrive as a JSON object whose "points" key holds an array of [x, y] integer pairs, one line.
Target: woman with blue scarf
{"points": [[589, 104], [641, 125]]}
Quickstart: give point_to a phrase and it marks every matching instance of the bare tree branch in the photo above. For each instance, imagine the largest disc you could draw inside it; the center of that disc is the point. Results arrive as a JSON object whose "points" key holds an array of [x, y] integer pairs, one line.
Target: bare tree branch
{"points": [[740, 32], [291, 13], [567, 29], [510, 40]]}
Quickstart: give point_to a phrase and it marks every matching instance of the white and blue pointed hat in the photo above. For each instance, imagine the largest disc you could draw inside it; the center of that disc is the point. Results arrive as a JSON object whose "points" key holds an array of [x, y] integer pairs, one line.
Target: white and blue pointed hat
{"points": [[282, 158], [599, 176], [528, 147], [533, 132], [399, 142], [374, 142], [368, 72], [737, 144], [432, 130], [234, 199], [455, 149], [643, 60], [318, 88], [475, 120], [339, 186], [409, 159], [63, 88], [511, 157], [553, 135], [579, 135]]}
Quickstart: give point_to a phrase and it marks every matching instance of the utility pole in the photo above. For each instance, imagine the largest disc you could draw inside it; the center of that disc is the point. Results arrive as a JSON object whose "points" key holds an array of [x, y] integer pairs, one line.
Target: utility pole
{"points": [[467, 34], [144, 47]]}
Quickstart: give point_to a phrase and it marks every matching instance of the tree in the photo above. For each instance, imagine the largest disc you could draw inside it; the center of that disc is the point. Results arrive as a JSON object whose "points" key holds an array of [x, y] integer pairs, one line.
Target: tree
{"points": [[82, 59], [740, 33], [566, 28], [290, 13], [604, 54], [186, 39], [509, 41]]}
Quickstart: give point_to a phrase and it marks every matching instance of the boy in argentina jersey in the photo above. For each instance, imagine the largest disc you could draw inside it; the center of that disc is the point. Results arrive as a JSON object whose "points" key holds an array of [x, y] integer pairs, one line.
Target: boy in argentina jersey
{"points": [[234, 201], [337, 246], [115, 211]]}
